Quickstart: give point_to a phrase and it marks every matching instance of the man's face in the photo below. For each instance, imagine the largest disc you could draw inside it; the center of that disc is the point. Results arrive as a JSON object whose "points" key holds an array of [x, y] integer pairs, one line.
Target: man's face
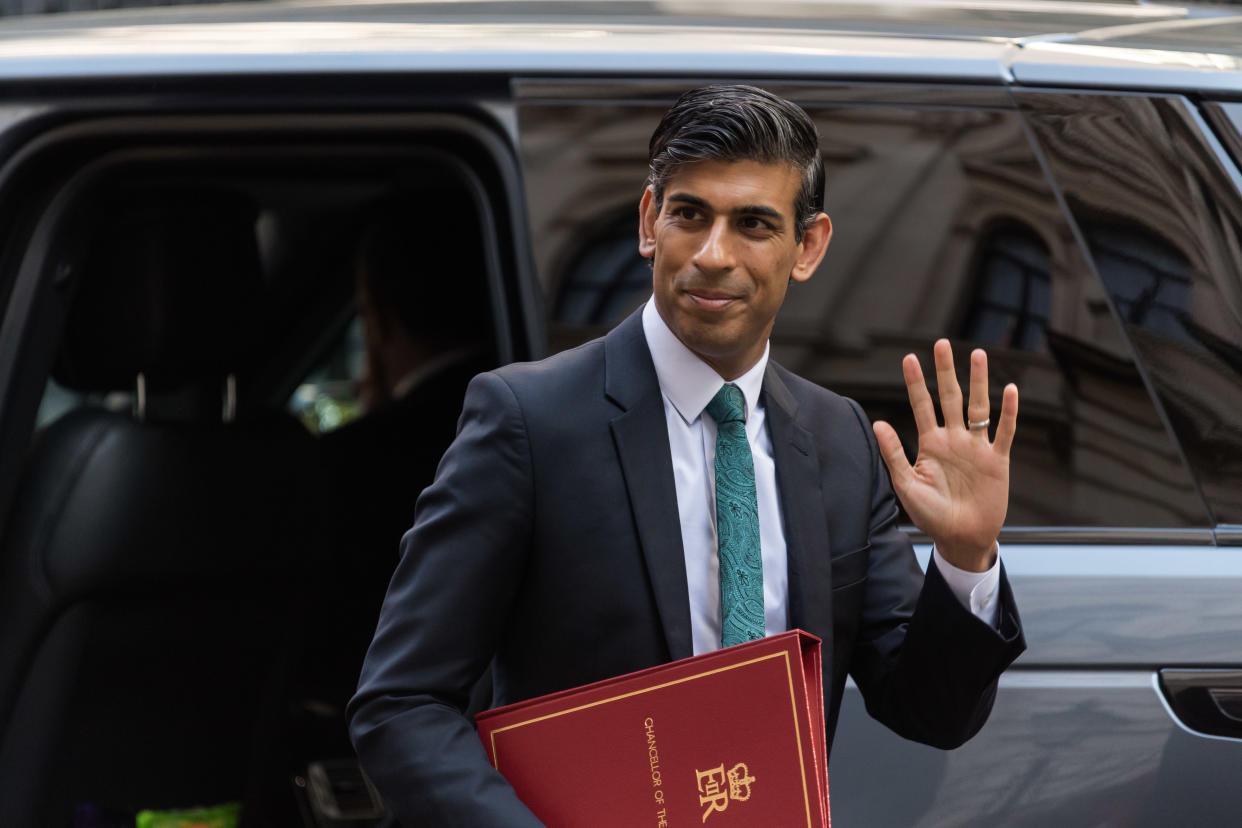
{"points": [[723, 248]]}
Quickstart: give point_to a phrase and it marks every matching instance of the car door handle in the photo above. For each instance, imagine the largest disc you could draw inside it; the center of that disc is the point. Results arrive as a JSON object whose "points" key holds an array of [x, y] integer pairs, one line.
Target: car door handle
{"points": [[1206, 701], [1229, 702]]}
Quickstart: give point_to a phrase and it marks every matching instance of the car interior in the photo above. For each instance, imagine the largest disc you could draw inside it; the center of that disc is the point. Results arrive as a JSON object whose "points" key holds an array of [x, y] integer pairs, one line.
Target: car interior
{"points": [[185, 588]]}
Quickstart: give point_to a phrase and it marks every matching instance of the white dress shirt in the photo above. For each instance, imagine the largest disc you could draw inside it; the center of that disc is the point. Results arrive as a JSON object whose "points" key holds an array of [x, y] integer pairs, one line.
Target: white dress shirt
{"points": [[687, 385]]}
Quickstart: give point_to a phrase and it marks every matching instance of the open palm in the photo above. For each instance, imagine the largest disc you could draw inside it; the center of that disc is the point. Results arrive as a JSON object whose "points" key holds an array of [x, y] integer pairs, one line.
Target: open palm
{"points": [[957, 491]]}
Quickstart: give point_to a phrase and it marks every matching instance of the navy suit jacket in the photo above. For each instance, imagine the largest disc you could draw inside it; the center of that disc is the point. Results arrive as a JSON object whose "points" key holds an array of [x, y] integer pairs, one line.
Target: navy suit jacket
{"points": [[549, 545]]}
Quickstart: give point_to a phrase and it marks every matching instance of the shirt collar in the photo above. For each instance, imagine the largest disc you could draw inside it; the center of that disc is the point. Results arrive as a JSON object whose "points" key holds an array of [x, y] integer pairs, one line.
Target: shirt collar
{"points": [[688, 382]]}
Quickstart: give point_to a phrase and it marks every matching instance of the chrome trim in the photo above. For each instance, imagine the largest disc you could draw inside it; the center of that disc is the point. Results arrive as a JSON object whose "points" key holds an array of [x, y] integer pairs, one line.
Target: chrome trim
{"points": [[1043, 679], [1018, 678], [1101, 535], [1228, 534]]}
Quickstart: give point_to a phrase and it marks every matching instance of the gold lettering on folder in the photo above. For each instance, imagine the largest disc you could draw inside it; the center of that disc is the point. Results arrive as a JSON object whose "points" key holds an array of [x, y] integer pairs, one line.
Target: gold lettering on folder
{"points": [[717, 788]]}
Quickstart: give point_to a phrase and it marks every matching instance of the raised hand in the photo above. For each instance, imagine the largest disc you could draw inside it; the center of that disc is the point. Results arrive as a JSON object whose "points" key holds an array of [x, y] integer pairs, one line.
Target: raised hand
{"points": [[957, 491]]}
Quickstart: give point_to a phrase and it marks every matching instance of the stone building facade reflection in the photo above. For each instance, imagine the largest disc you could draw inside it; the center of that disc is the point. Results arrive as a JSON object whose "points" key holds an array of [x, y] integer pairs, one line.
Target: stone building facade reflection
{"points": [[945, 224]]}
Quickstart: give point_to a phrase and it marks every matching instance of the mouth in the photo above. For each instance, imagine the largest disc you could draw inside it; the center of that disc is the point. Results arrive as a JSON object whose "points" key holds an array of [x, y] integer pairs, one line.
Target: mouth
{"points": [[711, 300]]}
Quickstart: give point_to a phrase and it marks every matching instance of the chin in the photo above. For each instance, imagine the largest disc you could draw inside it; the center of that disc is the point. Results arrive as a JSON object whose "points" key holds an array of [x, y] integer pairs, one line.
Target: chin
{"points": [[712, 343]]}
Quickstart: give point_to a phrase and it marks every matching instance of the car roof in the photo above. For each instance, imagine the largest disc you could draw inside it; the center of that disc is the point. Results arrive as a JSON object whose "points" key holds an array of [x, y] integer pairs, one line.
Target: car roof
{"points": [[1036, 42]]}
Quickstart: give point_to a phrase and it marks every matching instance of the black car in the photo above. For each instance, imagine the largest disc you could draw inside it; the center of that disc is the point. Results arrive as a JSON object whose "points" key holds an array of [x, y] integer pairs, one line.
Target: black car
{"points": [[183, 600]]}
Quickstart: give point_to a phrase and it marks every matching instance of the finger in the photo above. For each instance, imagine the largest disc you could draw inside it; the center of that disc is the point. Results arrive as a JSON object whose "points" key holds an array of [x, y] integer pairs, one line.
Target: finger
{"points": [[978, 409], [894, 455], [946, 380], [1008, 425], [920, 397]]}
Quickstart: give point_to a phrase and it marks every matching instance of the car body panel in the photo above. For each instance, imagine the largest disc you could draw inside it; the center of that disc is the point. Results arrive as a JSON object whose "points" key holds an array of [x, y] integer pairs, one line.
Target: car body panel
{"points": [[1081, 733], [1112, 757], [1120, 606]]}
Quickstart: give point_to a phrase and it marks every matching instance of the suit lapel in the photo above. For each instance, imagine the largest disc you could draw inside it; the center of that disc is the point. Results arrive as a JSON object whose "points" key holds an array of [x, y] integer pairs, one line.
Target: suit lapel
{"points": [[641, 439], [802, 504]]}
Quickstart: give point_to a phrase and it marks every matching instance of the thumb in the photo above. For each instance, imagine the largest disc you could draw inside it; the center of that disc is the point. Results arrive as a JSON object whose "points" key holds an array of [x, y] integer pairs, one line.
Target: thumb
{"points": [[892, 452]]}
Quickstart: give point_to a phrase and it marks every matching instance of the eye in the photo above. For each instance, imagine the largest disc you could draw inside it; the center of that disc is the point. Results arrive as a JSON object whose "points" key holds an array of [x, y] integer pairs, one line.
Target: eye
{"points": [[686, 212], [754, 223]]}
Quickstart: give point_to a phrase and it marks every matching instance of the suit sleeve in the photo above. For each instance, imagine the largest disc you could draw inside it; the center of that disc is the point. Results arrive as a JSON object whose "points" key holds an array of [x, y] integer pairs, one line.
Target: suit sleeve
{"points": [[441, 622], [926, 666]]}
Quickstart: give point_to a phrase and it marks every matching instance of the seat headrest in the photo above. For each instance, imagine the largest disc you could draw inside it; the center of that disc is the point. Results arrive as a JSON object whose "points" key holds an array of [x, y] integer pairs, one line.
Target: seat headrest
{"points": [[170, 286]]}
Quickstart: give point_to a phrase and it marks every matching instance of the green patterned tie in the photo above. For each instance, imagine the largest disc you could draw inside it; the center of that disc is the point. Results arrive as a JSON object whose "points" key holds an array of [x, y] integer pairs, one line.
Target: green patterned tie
{"points": [[737, 522]]}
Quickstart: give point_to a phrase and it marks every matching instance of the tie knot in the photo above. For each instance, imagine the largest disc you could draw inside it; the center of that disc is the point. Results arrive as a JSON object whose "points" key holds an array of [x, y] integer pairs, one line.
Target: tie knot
{"points": [[728, 406]]}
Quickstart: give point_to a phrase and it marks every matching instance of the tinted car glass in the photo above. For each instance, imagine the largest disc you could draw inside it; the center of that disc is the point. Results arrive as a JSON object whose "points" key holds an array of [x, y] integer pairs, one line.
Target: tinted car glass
{"points": [[1011, 303], [945, 224], [1158, 208]]}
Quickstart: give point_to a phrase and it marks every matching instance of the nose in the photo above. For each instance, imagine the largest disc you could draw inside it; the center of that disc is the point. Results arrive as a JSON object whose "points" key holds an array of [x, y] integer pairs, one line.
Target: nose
{"points": [[715, 253]]}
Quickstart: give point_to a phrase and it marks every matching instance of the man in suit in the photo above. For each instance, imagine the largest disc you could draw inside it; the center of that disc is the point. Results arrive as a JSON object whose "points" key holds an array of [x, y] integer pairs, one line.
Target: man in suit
{"points": [[667, 490], [425, 339]]}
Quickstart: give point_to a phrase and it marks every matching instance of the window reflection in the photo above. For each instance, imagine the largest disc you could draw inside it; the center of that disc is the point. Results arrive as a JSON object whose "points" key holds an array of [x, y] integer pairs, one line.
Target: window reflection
{"points": [[944, 224], [1149, 280], [1192, 367], [1162, 216], [607, 277], [1012, 299]]}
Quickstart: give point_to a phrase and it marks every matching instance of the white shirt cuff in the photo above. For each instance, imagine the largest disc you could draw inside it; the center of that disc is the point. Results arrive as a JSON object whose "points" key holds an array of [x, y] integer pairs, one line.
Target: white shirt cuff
{"points": [[976, 590]]}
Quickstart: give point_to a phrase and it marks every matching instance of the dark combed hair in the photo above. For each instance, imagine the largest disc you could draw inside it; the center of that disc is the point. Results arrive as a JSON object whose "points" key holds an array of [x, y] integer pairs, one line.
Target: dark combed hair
{"points": [[739, 123]]}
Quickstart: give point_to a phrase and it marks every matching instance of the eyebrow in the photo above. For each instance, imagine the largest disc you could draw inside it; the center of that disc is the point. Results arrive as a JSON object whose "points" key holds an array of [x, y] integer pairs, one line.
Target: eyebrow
{"points": [[744, 210]]}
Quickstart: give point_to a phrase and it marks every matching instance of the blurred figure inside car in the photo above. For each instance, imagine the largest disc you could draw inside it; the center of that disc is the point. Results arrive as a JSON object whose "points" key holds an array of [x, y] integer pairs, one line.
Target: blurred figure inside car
{"points": [[421, 293]]}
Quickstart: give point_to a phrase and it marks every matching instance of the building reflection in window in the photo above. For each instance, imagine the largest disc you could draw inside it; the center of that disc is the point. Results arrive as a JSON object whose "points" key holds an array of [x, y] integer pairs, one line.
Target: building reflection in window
{"points": [[1192, 362], [945, 225], [606, 280], [1013, 291], [1149, 280]]}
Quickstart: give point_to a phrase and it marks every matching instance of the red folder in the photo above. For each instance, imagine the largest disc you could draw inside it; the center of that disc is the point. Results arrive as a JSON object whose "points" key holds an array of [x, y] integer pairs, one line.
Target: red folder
{"points": [[729, 738]]}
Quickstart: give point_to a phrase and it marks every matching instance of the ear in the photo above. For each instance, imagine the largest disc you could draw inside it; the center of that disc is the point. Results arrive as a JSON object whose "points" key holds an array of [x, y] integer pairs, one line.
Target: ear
{"points": [[647, 212], [812, 248]]}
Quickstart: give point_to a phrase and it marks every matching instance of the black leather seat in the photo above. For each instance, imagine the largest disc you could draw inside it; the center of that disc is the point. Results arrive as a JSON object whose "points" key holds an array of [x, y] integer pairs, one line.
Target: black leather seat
{"points": [[154, 573]]}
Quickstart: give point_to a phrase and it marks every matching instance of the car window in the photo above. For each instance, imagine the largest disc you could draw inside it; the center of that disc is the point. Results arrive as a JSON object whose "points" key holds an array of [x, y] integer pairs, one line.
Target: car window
{"points": [[1014, 287], [945, 224], [1159, 209]]}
